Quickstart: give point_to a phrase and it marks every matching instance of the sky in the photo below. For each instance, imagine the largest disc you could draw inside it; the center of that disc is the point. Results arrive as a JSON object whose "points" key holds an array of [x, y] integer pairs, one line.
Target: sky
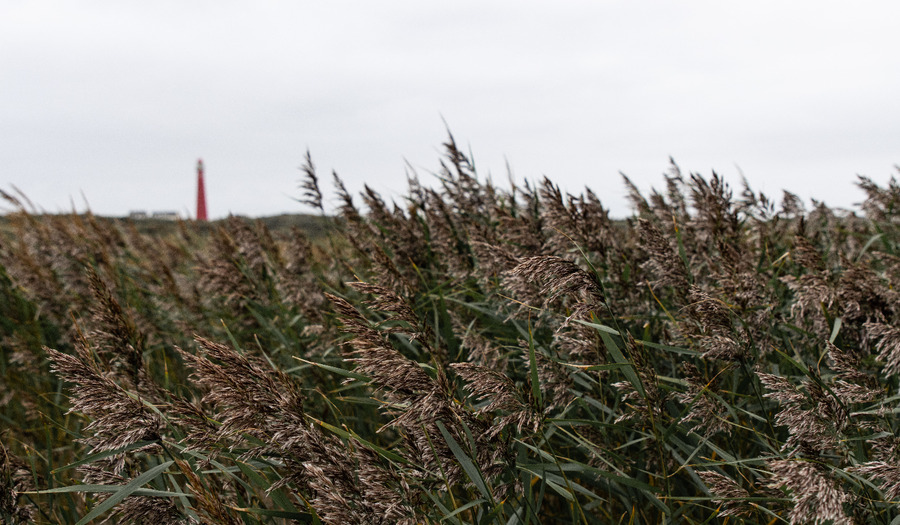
{"points": [[109, 104]]}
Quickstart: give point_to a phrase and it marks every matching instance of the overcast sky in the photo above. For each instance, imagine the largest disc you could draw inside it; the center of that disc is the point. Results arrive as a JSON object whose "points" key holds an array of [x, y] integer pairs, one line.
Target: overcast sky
{"points": [[114, 101]]}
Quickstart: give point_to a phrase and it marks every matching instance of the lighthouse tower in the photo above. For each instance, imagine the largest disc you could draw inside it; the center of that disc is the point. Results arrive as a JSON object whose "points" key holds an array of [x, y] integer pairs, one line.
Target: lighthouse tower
{"points": [[201, 192]]}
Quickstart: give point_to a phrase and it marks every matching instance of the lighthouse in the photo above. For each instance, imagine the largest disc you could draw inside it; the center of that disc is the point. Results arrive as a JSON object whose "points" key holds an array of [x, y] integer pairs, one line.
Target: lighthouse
{"points": [[201, 192]]}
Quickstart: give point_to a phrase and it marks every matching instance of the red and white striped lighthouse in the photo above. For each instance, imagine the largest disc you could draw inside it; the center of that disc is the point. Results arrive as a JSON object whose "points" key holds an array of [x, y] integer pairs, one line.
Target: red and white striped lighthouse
{"points": [[201, 192]]}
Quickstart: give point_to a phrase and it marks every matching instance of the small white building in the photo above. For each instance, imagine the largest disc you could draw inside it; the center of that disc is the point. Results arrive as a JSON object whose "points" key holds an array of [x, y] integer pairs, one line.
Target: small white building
{"points": [[165, 215]]}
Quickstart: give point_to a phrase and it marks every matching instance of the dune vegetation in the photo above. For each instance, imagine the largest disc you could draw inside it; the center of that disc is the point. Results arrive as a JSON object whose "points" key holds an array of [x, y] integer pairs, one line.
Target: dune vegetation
{"points": [[471, 354]]}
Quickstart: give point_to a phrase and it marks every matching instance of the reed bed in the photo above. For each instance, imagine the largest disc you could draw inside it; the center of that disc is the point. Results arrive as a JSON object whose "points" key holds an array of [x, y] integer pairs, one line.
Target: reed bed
{"points": [[472, 354]]}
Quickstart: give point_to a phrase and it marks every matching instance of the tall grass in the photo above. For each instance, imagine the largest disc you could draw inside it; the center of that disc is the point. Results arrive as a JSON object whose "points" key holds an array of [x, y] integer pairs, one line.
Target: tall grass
{"points": [[472, 354]]}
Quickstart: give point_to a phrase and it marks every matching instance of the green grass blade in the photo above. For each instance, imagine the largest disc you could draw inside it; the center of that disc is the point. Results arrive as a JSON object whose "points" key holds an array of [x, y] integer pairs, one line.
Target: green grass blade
{"points": [[100, 455], [109, 489], [383, 452], [336, 370], [619, 357], [464, 508], [466, 463], [532, 366], [126, 490]]}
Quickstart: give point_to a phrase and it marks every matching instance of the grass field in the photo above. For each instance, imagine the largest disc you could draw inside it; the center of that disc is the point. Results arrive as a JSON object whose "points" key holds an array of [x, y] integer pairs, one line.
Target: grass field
{"points": [[472, 354]]}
